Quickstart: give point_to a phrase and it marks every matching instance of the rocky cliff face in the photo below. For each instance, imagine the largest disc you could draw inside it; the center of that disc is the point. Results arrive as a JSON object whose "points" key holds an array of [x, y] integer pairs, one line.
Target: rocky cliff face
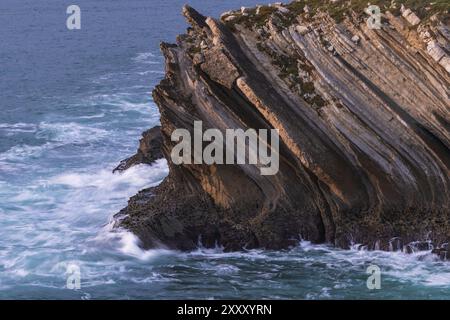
{"points": [[364, 122]]}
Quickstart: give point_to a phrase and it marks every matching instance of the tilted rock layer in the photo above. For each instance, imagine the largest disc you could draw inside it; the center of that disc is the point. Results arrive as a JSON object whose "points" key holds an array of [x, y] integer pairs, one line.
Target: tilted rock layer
{"points": [[364, 122]]}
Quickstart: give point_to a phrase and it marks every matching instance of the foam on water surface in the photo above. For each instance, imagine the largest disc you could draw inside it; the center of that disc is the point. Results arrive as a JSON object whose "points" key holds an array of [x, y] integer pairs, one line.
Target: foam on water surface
{"points": [[67, 120]]}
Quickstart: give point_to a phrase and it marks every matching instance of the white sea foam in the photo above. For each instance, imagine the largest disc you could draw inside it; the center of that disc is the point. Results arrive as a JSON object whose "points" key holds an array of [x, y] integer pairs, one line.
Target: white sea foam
{"points": [[438, 280], [137, 176], [143, 73], [69, 132], [19, 127], [148, 58], [152, 278], [19, 152], [226, 269], [420, 268], [123, 102], [130, 245], [103, 186], [95, 116], [73, 214], [56, 135]]}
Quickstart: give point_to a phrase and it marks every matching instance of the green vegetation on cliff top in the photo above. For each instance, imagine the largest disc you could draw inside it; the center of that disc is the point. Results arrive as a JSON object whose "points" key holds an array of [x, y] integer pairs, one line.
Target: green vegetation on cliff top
{"points": [[339, 8]]}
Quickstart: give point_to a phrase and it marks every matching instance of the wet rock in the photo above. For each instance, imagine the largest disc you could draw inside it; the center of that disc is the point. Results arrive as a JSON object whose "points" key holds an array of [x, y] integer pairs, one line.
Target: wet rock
{"points": [[418, 246], [377, 245], [362, 247], [396, 244], [149, 150], [443, 251]]}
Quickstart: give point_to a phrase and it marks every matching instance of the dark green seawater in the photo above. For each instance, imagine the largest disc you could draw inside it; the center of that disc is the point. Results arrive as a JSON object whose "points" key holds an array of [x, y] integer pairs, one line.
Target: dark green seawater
{"points": [[72, 105]]}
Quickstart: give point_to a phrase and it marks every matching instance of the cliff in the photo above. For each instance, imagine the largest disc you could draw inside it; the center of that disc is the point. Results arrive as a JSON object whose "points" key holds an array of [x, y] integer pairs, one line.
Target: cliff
{"points": [[363, 118]]}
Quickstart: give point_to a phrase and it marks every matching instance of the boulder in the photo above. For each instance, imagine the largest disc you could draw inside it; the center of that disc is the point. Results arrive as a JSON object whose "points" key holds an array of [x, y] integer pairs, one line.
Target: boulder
{"points": [[356, 39], [411, 17], [219, 68], [435, 51], [302, 30]]}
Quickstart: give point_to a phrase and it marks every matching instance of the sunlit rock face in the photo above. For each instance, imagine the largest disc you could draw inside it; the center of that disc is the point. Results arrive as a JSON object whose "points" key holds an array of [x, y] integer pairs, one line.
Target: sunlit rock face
{"points": [[364, 123]]}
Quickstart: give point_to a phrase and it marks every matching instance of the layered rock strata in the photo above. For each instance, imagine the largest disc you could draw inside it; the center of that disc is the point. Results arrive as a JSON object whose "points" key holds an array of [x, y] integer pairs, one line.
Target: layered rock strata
{"points": [[364, 121]]}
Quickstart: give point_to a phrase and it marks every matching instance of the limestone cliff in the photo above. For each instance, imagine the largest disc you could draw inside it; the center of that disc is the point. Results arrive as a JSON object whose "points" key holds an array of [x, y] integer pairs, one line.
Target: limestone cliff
{"points": [[364, 122]]}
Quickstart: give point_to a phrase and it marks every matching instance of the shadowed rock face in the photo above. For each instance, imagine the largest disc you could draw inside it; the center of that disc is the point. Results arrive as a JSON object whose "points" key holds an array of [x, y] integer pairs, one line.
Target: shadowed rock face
{"points": [[364, 124], [148, 152]]}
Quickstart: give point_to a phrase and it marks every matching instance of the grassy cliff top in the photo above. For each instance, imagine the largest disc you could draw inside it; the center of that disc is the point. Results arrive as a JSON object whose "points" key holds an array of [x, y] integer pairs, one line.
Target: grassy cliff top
{"points": [[337, 9]]}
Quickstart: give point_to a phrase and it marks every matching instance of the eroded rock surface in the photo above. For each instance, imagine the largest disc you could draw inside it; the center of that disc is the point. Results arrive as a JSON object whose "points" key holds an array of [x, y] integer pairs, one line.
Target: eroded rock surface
{"points": [[364, 132], [148, 152]]}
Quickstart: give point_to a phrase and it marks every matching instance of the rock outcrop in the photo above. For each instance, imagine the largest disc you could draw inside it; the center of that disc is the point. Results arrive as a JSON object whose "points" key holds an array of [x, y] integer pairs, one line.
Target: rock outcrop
{"points": [[148, 152], [364, 122]]}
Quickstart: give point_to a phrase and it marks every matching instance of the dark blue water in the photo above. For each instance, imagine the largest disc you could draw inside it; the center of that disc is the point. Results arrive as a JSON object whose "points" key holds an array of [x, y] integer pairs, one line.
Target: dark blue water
{"points": [[73, 104]]}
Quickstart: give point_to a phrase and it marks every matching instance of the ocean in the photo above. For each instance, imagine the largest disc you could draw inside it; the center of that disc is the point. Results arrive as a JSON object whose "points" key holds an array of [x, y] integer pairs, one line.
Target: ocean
{"points": [[73, 104]]}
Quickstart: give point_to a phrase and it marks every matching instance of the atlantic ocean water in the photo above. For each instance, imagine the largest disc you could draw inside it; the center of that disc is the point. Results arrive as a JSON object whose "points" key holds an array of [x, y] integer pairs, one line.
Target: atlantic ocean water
{"points": [[72, 105]]}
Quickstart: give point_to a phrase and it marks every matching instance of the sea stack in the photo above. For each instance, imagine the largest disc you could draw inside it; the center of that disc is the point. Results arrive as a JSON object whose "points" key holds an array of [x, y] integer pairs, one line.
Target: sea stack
{"points": [[364, 130]]}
